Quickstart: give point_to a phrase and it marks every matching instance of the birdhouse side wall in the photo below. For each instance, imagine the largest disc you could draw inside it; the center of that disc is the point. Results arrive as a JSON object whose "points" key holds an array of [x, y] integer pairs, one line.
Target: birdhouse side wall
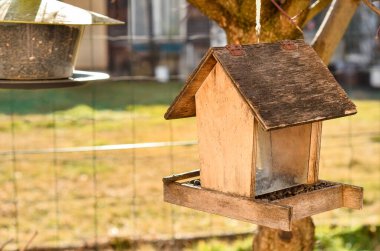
{"points": [[283, 158], [226, 136], [287, 157]]}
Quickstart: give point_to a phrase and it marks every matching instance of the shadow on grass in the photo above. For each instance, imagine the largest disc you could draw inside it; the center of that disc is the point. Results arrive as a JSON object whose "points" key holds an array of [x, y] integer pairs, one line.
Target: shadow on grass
{"points": [[101, 96]]}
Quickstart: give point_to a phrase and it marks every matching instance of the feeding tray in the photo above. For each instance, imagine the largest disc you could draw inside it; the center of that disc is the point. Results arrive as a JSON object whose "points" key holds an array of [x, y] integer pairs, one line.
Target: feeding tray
{"points": [[276, 210], [39, 39], [78, 78]]}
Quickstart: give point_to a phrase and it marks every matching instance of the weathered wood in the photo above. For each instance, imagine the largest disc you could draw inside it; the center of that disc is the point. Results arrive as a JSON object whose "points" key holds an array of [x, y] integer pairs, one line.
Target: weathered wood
{"points": [[225, 131], [184, 104], [315, 146], [232, 206], [352, 196], [275, 214], [318, 201], [210, 175], [181, 176], [297, 89]]}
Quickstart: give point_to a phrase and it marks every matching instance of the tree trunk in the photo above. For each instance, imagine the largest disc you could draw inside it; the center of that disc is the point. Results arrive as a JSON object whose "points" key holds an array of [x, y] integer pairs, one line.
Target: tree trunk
{"points": [[301, 238], [237, 18]]}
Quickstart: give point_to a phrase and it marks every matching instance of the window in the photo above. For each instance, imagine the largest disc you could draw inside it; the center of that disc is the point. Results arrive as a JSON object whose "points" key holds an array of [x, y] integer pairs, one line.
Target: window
{"points": [[167, 18]]}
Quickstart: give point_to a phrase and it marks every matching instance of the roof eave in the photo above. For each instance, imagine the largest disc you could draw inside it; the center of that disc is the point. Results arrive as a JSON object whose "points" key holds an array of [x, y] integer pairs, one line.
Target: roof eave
{"points": [[319, 119], [186, 97]]}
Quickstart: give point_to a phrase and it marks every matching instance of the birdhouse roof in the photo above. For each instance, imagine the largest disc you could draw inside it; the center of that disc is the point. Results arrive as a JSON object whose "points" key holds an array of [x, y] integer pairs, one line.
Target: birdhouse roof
{"points": [[284, 83], [49, 12]]}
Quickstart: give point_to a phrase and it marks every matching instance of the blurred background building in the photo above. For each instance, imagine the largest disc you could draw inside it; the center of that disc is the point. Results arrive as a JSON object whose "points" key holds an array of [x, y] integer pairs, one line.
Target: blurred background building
{"points": [[167, 38]]}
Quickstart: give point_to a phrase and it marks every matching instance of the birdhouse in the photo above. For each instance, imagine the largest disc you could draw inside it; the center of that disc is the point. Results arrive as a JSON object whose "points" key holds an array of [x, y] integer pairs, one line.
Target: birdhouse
{"points": [[39, 39], [259, 111]]}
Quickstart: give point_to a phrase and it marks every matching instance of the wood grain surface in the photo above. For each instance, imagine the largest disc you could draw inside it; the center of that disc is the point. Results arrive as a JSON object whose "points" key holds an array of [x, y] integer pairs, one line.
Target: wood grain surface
{"points": [[232, 206], [225, 136], [283, 87]]}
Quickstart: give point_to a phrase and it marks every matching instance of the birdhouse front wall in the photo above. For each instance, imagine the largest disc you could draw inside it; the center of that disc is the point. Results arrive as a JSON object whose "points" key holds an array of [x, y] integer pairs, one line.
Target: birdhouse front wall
{"points": [[226, 136]]}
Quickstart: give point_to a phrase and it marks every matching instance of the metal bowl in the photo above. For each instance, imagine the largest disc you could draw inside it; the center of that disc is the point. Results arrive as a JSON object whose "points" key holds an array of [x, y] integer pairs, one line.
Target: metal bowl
{"points": [[38, 51]]}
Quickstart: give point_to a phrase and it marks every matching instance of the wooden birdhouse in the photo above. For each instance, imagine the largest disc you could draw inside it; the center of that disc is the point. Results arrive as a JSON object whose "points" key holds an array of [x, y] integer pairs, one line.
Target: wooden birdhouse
{"points": [[259, 111], [39, 39]]}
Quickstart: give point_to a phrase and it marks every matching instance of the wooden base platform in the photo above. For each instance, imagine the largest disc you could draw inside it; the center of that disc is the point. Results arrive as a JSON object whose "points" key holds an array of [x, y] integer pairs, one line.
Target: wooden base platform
{"points": [[275, 214]]}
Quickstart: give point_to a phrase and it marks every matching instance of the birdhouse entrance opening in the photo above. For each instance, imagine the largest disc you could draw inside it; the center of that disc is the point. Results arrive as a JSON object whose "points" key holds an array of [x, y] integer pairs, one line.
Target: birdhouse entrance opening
{"points": [[282, 158]]}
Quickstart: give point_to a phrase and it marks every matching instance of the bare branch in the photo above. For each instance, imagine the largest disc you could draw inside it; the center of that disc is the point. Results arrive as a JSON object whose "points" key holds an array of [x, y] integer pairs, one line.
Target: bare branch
{"points": [[372, 7], [333, 27], [30, 241], [283, 12], [315, 9], [6, 244]]}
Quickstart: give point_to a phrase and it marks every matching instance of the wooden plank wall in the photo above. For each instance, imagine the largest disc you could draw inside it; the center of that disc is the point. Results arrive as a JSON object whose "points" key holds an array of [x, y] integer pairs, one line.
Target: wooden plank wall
{"points": [[226, 133]]}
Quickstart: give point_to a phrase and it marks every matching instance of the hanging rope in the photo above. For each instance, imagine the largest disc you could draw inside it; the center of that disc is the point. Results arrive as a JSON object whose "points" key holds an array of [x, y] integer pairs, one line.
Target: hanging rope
{"points": [[258, 20]]}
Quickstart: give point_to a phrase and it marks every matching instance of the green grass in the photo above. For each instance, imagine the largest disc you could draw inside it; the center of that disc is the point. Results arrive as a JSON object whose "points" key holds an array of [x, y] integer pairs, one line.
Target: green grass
{"points": [[116, 96], [128, 183], [363, 238]]}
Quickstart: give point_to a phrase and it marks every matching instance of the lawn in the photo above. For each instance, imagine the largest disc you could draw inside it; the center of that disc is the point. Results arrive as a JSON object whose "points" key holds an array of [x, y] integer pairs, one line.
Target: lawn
{"points": [[73, 198]]}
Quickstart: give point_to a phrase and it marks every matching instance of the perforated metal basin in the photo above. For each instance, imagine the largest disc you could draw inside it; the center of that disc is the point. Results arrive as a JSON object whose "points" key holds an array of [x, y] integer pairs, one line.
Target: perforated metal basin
{"points": [[38, 51], [39, 39]]}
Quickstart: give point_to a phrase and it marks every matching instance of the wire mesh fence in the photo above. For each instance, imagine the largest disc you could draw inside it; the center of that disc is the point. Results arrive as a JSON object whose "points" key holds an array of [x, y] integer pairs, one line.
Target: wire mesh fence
{"points": [[111, 187]]}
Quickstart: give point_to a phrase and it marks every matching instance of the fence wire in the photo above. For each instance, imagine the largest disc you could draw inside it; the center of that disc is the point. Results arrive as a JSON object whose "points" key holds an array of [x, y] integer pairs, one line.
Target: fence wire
{"points": [[73, 189]]}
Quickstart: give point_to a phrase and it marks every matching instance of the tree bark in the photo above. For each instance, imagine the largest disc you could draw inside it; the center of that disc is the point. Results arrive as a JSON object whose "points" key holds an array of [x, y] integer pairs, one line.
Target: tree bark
{"points": [[237, 18], [301, 238]]}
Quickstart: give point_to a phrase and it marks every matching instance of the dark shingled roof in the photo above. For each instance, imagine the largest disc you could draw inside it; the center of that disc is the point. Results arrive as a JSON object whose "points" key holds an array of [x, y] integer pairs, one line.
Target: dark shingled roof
{"points": [[284, 83]]}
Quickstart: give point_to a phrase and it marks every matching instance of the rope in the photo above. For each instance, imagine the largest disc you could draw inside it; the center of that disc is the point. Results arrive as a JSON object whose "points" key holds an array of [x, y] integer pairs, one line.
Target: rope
{"points": [[258, 20]]}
